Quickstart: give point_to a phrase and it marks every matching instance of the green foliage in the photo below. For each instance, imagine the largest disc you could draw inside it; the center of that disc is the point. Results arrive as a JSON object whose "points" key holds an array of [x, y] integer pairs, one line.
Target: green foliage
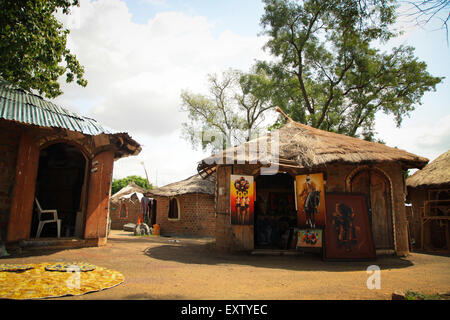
{"points": [[118, 184], [231, 114], [327, 72], [33, 46], [406, 174], [413, 295]]}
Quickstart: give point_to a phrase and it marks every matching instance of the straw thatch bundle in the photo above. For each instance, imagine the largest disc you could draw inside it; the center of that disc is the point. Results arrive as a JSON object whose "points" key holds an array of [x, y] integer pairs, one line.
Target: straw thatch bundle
{"points": [[128, 191], [434, 174], [194, 184], [308, 147]]}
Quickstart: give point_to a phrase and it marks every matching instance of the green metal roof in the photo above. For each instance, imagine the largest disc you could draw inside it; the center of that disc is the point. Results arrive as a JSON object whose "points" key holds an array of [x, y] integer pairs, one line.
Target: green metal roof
{"points": [[18, 105]]}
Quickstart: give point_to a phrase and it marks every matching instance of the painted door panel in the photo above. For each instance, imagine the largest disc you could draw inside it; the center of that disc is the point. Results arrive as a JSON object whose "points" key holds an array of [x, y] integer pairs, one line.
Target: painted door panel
{"points": [[376, 187]]}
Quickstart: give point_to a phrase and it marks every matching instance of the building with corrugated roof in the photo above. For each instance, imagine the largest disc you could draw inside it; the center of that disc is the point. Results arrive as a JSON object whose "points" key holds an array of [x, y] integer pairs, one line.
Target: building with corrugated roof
{"points": [[60, 159]]}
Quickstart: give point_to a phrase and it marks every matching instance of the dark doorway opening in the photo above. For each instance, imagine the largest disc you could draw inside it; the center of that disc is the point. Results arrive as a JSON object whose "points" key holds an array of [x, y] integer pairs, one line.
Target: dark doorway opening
{"points": [[275, 214], [59, 185]]}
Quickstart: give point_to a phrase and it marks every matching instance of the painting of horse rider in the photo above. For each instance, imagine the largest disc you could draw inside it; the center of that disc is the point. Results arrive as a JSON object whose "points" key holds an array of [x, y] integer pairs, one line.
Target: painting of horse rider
{"points": [[310, 200]]}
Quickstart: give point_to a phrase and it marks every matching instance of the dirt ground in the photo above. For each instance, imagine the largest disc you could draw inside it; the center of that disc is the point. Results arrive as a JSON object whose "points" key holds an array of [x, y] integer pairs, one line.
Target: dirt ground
{"points": [[159, 268]]}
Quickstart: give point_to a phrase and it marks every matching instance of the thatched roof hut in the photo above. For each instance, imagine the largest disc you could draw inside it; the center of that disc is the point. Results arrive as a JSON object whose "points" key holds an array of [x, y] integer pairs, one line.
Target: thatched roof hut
{"points": [[126, 205], [193, 184], [436, 174], [307, 147], [345, 164], [186, 208], [128, 191]]}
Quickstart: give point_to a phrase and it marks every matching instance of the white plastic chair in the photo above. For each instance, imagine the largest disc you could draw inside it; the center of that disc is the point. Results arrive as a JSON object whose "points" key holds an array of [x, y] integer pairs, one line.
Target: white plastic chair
{"points": [[43, 222]]}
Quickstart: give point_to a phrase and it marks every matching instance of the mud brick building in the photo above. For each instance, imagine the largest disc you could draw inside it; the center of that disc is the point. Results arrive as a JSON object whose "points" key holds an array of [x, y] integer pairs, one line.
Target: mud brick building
{"points": [[186, 208], [126, 206], [348, 165], [62, 160]]}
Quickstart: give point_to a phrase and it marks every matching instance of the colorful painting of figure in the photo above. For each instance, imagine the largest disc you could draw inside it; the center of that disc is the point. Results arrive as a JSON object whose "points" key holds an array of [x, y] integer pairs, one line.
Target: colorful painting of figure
{"points": [[348, 234], [309, 238], [242, 196], [310, 200]]}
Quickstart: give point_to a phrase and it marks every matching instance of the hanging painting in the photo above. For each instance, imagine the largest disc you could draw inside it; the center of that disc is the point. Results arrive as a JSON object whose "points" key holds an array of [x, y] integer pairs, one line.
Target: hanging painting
{"points": [[348, 235], [242, 196], [309, 238], [310, 194]]}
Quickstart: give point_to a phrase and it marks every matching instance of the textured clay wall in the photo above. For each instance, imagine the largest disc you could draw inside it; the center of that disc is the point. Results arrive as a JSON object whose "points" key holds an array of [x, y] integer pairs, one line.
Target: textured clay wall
{"points": [[337, 176], [9, 144], [196, 218], [337, 179], [133, 207]]}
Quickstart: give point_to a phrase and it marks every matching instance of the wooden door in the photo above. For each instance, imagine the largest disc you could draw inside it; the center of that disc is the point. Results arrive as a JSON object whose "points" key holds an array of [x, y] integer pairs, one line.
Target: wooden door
{"points": [[376, 187], [223, 189]]}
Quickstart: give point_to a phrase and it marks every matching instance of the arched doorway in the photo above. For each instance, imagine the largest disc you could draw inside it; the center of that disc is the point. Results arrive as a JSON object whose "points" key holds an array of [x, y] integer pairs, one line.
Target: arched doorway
{"points": [[59, 185], [376, 186]]}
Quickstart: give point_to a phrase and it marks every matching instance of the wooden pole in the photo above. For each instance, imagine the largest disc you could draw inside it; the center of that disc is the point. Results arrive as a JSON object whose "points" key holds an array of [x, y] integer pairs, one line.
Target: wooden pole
{"points": [[278, 109], [146, 175]]}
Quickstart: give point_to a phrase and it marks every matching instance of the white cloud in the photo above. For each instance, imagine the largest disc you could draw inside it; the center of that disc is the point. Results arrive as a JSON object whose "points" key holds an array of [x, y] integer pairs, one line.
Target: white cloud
{"points": [[154, 2], [428, 138], [166, 158], [136, 73]]}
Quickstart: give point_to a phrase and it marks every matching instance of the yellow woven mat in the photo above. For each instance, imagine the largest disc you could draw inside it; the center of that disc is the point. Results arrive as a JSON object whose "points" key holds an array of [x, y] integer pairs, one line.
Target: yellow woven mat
{"points": [[70, 266], [14, 267], [37, 283]]}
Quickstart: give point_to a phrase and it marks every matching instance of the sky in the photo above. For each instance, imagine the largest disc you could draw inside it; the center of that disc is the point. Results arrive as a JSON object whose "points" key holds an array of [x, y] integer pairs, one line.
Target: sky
{"points": [[140, 54]]}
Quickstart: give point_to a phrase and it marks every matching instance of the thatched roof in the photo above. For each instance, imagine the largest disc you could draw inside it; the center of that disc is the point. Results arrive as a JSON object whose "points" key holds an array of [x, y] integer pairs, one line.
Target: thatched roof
{"points": [[434, 174], [128, 191], [307, 147], [194, 184]]}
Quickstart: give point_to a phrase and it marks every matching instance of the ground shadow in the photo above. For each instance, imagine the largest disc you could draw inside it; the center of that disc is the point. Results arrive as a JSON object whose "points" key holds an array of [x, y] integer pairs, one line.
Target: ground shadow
{"points": [[207, 254], [146, 296], [433, 253], [26, 253]]}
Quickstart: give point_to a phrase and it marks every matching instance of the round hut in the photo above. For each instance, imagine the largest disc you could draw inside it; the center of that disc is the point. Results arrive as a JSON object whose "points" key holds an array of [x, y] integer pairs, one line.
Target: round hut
{"points": [[280, 164], [185, 208], [125, 206]]}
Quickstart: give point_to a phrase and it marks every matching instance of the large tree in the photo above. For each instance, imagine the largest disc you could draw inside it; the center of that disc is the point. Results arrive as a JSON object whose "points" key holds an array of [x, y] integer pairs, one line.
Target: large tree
{"points": [[33, 52], [118, 184], [232, 112], [328, 70], [424, 11]]}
